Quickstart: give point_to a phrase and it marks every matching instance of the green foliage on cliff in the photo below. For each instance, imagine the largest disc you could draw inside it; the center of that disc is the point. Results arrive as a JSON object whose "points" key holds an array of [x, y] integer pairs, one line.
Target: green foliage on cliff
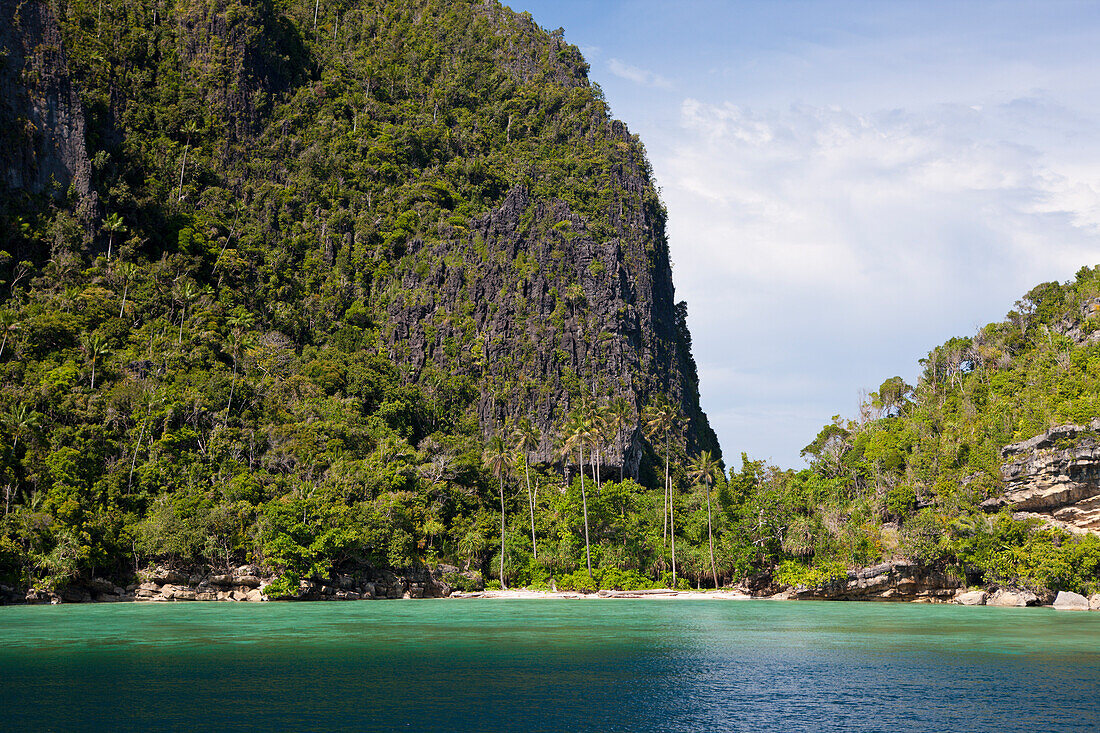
{"points": [[203, 370], [906, 477]]}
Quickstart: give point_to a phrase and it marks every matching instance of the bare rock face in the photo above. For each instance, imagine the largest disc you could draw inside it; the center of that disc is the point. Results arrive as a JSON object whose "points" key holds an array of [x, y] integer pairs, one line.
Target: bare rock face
{"points": [[42, 148], [538, 306], [1054, 477], [898, 580]]}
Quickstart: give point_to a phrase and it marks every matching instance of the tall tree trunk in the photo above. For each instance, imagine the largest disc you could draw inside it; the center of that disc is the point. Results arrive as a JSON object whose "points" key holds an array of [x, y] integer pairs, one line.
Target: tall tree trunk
{"points": [[672, 531], [584, 504], [133, 462], [122, 309], [179, 195], [232, 389], [710, 537], [664, 516], [502, 585], [622, 457], [531, 505]]}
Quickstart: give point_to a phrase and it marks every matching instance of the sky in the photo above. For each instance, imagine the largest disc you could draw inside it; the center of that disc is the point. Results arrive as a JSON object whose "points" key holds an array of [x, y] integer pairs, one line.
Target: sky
{"points": [[849, 184]]}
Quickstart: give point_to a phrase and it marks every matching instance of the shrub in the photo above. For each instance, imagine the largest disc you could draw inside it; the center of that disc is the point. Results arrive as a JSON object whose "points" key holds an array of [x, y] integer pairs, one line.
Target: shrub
{"points": [[577, 581], [793, 573]]}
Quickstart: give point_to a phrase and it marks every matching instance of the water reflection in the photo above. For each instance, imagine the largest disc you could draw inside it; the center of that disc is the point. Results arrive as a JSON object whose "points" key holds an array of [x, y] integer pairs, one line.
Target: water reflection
{"points": [[540, 665]]}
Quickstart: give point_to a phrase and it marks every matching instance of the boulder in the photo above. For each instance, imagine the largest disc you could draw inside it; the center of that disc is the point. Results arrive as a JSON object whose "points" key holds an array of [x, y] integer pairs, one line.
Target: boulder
{"points": [[237, 595], [1013, 597], [254, 595], [41, 596], [74, 594], [206, 596], [971, 598], [1094, 602], [160, 576], [184, 594], [1067, 601], [100, 586]]}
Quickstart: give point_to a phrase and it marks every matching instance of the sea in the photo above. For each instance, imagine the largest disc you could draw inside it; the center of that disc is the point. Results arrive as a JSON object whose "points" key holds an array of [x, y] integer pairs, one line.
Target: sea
{"points": [[548, 665]]}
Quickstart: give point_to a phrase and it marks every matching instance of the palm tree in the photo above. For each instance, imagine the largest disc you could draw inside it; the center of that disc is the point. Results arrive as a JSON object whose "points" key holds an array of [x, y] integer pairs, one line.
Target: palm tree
{"points": [[237, 341], [19, 422], [8, 324], [619, 414], [188, 130], [601, 427], [496, 460], [703, 470], [94, 347], [113, 225], [660, 420], [586, 412], [126, 272], [525, 437], [575, 434], [185, 294]]}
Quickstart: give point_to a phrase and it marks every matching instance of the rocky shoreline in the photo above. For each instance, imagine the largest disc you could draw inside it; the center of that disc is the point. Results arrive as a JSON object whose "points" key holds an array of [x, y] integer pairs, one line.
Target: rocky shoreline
{"points": [[895, 581], [246, 583]]}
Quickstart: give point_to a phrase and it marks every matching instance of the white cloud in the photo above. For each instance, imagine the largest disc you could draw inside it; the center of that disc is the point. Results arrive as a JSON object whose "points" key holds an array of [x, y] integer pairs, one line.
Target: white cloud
{"points": [[637, 75], [823, 250]]}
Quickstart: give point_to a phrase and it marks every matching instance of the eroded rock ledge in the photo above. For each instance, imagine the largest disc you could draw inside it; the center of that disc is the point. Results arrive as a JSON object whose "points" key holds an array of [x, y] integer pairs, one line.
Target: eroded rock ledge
{"points": [[898, 580], [246, 583], [1054, 477]]}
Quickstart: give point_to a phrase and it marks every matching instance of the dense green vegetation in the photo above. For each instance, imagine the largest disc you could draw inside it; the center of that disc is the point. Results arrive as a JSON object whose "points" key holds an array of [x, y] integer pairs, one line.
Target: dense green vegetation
{"points": [[905, 478], [205, 373]]}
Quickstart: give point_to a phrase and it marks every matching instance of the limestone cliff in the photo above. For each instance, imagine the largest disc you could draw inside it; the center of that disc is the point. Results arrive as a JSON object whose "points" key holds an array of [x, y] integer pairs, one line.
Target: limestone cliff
{"points": [[1055, 477], [42, 145]]}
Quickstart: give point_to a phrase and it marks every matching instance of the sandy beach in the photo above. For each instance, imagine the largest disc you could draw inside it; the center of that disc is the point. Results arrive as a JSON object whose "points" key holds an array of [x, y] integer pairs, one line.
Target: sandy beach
{"points": [[652, 594]]}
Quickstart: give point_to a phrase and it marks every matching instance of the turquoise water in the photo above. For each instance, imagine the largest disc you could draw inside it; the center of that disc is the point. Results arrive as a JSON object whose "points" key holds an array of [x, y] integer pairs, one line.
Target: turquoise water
{"points": [[548, 665]]}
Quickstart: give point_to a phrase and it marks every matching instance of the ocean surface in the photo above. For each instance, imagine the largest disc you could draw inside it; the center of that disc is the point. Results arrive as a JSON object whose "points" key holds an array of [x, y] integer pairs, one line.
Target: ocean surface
{"points": [[553, 665]]}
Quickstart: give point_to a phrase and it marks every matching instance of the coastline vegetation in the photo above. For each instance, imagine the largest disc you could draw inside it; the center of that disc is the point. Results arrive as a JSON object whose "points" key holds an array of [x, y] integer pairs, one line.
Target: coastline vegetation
{"points": [[207, 376]]}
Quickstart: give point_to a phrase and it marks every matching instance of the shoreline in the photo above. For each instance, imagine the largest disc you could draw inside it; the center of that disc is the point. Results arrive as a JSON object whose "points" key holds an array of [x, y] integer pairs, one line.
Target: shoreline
{"points": [[648, 594]]}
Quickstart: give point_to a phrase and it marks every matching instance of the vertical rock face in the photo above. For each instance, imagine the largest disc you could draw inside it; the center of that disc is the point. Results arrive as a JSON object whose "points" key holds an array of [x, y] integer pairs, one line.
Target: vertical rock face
{"points": [[555, 312], [42, 148], [1055, 477], [560, 286]]}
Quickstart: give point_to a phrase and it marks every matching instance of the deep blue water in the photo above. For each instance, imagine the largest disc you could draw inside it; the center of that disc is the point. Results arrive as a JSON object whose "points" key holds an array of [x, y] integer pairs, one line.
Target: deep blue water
{"points": [[554, 665]]}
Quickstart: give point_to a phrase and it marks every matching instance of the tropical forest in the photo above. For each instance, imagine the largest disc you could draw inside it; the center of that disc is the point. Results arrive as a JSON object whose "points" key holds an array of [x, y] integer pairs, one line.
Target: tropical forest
{"points": [[358, 287]]}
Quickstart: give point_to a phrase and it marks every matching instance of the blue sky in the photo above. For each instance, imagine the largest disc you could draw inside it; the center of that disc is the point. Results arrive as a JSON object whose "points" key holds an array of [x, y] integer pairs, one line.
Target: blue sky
{"points": [[850, 184]]}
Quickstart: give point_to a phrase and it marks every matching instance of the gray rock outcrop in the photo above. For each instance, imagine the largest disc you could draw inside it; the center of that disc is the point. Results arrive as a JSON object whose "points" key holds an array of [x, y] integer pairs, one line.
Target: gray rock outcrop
{"points": [[1054, 477], [1007, 597], [972, 598], [1067, 601], [42, 148], [898, 580]]}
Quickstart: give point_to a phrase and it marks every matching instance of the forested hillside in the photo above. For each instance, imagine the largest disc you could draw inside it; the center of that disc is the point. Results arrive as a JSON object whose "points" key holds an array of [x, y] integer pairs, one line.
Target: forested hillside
{"points": [[370, 286], [907, 477], [275, 275]]}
